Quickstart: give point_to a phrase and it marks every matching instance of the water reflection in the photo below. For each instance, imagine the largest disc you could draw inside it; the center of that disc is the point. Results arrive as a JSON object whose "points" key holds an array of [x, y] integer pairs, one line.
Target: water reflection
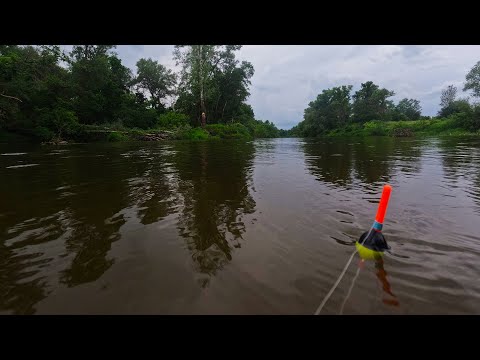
{"points": [[387, 297], [461, 165], [216, 195], [93, 214], [366, 163]]}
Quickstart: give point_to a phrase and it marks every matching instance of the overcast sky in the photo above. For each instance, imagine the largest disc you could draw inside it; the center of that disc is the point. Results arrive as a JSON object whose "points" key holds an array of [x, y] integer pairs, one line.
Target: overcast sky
{"points": [[287, 78]]}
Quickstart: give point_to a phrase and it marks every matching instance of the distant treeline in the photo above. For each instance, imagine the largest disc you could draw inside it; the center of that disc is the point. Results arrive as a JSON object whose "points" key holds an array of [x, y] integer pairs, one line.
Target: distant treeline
{"points": [[336, 109], [51, 94]]}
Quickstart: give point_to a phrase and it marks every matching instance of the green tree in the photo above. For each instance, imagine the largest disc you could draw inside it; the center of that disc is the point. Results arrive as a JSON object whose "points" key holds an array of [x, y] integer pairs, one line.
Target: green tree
{"points": [[231, 81], [409, 109], [156, 80], [449, 103], [212, 81], [371, 103], [446, 100], [100, 83], [331, 109], [245, 114], [32, 84], [473, 80], [197, 63]]}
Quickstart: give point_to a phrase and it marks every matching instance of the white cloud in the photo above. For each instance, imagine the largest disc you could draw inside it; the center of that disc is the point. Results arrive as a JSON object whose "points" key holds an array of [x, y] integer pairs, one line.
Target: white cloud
{"points": [[287, 78]]}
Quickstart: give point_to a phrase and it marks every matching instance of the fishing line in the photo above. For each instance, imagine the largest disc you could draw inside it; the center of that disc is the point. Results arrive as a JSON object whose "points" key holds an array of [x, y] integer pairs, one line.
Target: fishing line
{"points": [[335, 285], [350, 290], [340, 279]]}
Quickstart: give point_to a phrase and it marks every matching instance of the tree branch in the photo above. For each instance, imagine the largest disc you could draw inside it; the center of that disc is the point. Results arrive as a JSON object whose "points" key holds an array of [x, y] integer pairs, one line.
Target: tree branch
{"points": [[11, 97]]}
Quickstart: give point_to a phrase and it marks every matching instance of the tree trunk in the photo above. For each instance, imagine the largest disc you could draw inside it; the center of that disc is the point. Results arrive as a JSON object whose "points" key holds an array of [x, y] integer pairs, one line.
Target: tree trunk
{"points": [[224, 109], [202, 99]]}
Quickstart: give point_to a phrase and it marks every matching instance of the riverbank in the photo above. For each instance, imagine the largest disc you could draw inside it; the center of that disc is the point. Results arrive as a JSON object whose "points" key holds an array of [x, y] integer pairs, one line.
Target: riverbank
{"points": [[431, 127], [96, 133]]}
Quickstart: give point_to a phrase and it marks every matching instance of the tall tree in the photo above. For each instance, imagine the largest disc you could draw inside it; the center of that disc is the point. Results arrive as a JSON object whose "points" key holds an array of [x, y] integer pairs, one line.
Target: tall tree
{"points": [[212, 81], [100, 83], [371, 103], [197, 63], [449, 103], [473, 80], [155, 79], [448, 96], [231, 81], [32, 84], [330, 109], [90, 52], [409, 108]]}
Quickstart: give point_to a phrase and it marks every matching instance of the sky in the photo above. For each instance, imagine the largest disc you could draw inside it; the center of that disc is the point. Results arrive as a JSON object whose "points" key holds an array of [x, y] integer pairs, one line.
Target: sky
{"points": [[288, 77]]}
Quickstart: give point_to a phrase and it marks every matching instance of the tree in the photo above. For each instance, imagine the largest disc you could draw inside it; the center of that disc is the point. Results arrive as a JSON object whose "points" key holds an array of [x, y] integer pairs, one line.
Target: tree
{"points": [[448, 96], [370, 103], [31, 84], [231, 80], [409, 108], [155, 79], [212, 81], [197, 64], [331, 109], [450, 105], [245, 114], [473, 80], [100, 83], [90, 52]]}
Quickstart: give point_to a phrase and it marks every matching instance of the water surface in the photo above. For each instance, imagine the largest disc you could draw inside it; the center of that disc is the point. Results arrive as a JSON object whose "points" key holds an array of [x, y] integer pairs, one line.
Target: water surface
{"points": [[226, 227]]}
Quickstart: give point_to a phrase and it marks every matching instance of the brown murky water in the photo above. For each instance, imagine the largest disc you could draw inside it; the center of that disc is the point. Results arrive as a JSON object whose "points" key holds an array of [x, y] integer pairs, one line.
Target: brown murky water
{"points": [[262, 227]]}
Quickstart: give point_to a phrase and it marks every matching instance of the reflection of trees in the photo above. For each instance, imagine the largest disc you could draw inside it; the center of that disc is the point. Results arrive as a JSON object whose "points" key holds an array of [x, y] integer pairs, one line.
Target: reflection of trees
{"points": [[100, 194], [329, 161], [370, 160], [460, 160], [214, 181], [408, 153], [455, 160], [18, 291], [373, 162], [134, 180], [152, 189], [63, 215], [30, 217]]}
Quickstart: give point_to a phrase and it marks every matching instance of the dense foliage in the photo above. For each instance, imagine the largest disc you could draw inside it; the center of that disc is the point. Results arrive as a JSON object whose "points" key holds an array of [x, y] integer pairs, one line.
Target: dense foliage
{"points": [[370, 112], [49, 94]]}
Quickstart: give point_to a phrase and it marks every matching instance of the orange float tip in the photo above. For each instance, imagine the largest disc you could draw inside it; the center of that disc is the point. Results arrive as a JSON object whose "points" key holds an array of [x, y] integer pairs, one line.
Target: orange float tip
{"points": [[382, 206]]}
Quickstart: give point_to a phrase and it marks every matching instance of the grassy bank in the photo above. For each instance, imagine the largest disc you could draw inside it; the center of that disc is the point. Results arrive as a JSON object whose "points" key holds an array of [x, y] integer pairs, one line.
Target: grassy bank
{"points": [[118, 133], [433, 127], [185, 132]]}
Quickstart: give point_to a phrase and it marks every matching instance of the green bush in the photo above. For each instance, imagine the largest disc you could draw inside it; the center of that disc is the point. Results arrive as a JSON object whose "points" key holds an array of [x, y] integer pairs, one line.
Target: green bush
{"points": [[116, 136], [228, 131], [172, 120], [43, 133], [138, 118], [61, 122], [375, 128], [469, 120], [197, 134], [181, 132]]}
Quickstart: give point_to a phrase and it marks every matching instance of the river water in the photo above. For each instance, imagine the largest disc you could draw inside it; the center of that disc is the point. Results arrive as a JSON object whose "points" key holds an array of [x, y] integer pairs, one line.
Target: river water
{"points": [[227, 227]]}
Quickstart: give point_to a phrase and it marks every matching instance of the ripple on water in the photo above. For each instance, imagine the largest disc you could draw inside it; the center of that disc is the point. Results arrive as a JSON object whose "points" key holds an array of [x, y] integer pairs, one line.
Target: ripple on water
{"points": [[21, 166]]}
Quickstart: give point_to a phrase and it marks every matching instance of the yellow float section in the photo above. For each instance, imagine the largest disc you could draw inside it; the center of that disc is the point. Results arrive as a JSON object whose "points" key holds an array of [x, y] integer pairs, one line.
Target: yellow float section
{"points": [[367, 254]]}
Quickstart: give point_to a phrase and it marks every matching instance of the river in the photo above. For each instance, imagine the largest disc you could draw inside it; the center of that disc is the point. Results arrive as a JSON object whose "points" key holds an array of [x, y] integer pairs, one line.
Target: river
{"points": [[227, 227]]}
